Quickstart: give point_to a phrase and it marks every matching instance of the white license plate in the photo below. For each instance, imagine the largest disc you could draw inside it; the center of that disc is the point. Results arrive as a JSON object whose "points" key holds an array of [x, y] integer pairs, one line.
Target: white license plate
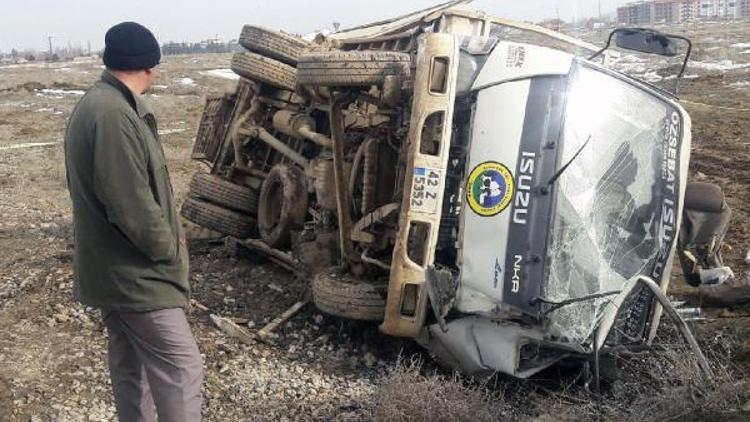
{"points": [[425, 188]]}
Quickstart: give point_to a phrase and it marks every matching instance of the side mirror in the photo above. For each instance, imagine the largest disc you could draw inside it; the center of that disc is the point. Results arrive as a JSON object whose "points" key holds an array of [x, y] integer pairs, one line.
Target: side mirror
{"points": [[649, 41], [646, 41]]}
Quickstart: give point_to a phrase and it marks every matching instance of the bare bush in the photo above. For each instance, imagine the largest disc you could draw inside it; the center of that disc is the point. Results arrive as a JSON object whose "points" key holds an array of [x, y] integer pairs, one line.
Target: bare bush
{"points": [[663, 384], [669, 385], [407, 394]]}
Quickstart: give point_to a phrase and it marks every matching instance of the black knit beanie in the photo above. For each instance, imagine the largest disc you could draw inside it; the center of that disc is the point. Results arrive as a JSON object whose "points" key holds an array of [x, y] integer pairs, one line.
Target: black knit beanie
{"points": [[130, 46]]}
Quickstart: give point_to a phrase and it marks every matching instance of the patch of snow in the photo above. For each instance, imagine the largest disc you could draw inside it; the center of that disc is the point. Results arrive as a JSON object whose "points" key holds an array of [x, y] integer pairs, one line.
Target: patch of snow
{"points": [[61, 92], [741, 45], [84, 59], [630, 58], [222, 73], [29, 145], [744, 52], [54, 97], [160, 86], [712, 48], [63, 69], [691, 76], [170, 131], [22, 65], [14, 104], [631, 67], [652, 77], [740, 84], [185, 81], [721, 66]]}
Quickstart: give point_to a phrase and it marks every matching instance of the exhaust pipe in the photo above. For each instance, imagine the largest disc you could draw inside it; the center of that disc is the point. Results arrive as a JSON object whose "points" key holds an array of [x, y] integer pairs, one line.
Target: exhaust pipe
{"points": [[299, 126]]}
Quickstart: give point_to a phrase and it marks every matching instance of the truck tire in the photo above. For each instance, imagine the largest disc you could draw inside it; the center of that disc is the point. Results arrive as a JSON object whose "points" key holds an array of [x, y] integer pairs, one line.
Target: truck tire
{"points": [[262, 69], [219, 219], [224, 193], [274, 44], [342, 295], [351, 68], [283, 205]]}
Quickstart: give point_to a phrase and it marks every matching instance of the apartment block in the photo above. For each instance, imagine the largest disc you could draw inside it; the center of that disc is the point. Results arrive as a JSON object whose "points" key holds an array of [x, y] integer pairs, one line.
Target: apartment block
{"points": [[674, 11]]}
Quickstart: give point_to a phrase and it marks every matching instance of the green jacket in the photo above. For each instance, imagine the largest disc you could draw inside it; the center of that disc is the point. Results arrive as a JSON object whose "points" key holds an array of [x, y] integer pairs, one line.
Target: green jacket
{"points": [[128, 255]]}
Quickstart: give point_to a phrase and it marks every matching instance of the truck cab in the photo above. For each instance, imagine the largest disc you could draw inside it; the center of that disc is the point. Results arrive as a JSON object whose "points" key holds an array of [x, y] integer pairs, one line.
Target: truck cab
{"points": [[477, 184]]}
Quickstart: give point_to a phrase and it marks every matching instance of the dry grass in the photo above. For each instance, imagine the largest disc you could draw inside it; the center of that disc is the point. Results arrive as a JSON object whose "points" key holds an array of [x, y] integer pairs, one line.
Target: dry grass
{"points": [[669, 385], [666, 385], [408, 394]]}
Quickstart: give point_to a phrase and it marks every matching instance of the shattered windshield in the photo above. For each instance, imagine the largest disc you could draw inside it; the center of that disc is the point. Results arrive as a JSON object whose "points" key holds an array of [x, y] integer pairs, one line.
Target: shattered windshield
{"points": [[605, 223]]}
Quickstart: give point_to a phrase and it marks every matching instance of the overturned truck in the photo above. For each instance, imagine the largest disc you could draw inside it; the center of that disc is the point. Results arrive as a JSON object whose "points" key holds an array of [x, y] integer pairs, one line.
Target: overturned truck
{"points": [[489, 188]]}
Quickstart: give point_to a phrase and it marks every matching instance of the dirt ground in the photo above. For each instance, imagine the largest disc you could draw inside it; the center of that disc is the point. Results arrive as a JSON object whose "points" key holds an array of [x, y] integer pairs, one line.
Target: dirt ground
{"points": [[53, 351]]}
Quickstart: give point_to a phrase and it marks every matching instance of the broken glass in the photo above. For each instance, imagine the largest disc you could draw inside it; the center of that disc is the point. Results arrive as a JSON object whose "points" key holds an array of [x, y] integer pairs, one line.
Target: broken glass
{"points": [[605, 225]]}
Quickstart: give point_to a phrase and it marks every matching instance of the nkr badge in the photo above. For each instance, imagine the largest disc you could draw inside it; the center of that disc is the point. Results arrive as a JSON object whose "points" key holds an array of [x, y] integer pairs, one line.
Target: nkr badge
{"points": [[489, 189]]}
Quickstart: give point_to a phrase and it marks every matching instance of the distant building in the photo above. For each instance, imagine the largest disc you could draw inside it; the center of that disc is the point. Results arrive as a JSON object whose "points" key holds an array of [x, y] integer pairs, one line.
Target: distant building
{"points": [[636, 13], [647, 12], [667, 11], [689, 10], [554, 24]]}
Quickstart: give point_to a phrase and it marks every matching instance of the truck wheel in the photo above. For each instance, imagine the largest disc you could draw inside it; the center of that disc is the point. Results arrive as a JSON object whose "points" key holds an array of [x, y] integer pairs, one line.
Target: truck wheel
{"points": [[351, 68], [262, 69], [224, 193], [340, 294], [274, 44], [219, 219], [283, 205]]}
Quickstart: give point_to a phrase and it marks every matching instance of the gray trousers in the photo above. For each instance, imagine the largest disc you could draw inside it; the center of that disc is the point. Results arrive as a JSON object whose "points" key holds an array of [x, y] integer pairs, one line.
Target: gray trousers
{"points": [[155, 366]]}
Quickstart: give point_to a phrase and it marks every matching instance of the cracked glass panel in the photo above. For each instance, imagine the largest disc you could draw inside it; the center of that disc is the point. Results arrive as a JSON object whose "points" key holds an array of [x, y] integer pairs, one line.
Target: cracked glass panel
{"points": [[605, 228]]}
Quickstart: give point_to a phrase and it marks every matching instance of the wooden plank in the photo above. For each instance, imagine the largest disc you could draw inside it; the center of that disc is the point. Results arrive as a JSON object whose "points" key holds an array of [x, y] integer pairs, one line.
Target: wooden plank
{"points": [[280, 257], [267, 331], [231, 329]]}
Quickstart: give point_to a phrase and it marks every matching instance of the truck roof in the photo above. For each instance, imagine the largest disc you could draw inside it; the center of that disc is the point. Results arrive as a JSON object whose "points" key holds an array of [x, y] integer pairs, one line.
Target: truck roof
{"points": [[411, 22]]}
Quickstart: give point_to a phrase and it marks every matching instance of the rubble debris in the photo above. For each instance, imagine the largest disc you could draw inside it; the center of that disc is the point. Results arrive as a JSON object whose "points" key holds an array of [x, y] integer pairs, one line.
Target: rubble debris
{"points": [[715, 276]]}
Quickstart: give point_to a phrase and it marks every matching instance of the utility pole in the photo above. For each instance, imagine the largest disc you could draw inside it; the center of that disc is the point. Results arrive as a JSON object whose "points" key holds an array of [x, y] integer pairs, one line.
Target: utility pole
{"points": [[49, 38], [89, 48]]}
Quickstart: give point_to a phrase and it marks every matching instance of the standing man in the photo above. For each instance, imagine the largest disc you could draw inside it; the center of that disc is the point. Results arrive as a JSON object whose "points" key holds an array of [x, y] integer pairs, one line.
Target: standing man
{"points": [[130, 254]]}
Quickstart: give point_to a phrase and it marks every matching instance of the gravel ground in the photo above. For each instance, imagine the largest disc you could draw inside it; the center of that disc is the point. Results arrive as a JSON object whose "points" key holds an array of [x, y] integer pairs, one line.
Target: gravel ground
{"points": [[53, 351]]}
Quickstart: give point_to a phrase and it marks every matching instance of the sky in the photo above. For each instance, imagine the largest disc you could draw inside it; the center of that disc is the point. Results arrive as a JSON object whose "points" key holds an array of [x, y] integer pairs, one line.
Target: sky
{"points": [[26, 24]]}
